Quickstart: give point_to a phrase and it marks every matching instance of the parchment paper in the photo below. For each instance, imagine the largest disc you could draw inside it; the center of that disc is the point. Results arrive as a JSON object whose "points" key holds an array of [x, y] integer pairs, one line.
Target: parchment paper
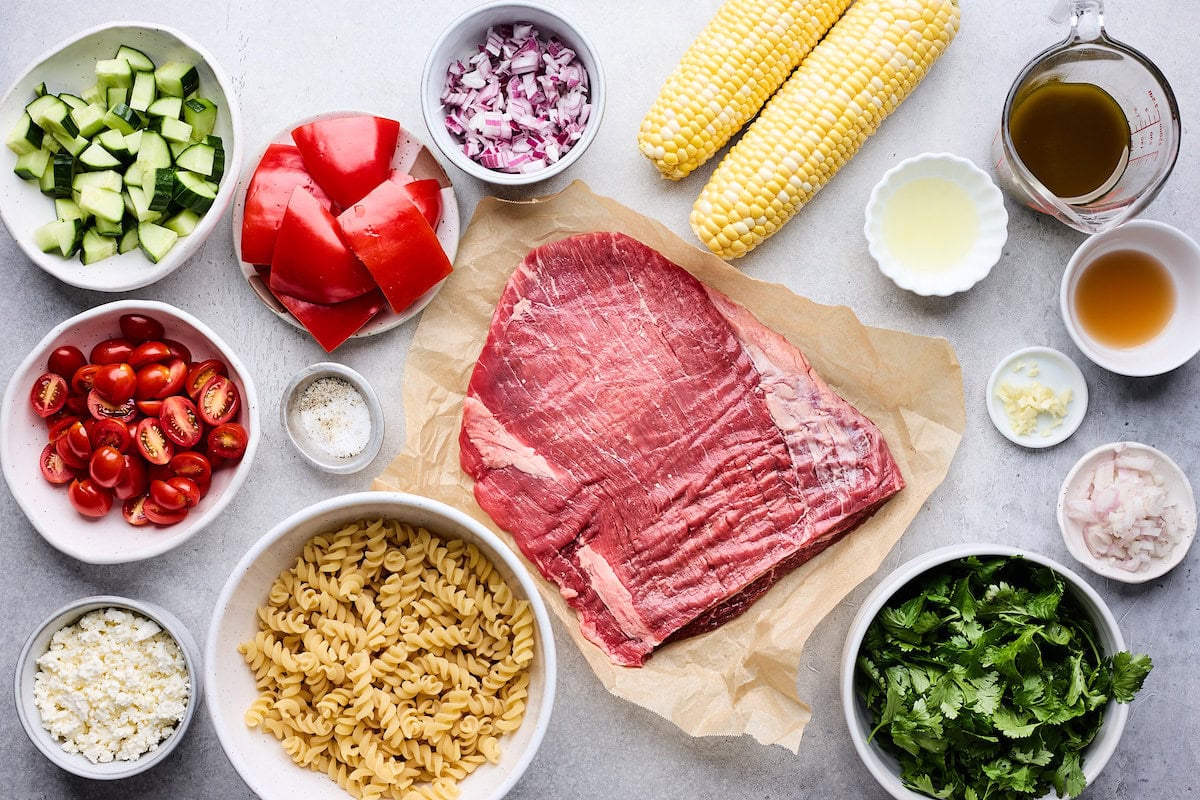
{"points": [[740, 678]]}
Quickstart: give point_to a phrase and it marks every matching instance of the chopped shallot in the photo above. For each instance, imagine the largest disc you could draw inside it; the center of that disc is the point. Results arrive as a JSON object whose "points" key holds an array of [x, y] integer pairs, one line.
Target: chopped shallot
{"points": [[1128, 517], [520, 103]]}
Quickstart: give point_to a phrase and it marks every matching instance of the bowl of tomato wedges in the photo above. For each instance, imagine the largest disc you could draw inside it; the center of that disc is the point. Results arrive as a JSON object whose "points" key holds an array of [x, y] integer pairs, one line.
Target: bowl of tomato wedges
{"points": [[126, 430], [346, 226]]}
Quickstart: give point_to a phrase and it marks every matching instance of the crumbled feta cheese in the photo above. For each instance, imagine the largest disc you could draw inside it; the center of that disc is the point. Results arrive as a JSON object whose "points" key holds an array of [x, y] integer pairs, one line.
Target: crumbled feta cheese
{"points": [[111, 686]]}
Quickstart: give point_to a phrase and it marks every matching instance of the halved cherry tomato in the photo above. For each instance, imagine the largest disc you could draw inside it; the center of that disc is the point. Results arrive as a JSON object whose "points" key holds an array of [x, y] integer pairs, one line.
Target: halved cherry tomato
{"points": [[134, 481], [279, 172], [151, 408], [49, 394], [110, 433], [60, 426], [152, 443], [153, 381], [66, 360], [178, 350], [112, 351], [201, 373], [107, 466], [228, 441], [151, 352], [162, 516], [188, 488], [134, 512], [181, 421], [116, 382], [348, 156], [88, 498], [311, 260], [54, 469], [77, 404], [68, 456], [137, 328], [77, 443], [194, 466], [168, 496], [218, 401], [84, 378], [100, 408]]}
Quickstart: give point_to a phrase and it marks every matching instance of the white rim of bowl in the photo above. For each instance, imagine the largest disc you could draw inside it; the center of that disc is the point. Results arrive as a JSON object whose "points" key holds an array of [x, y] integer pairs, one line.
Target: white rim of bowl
{"points": [[1073, 538], [1071, 422], [437, 128], [401, 500], [332, 369], [233, 162], [1115, 714], [174, 628], [1073, 267], [249, 403]]}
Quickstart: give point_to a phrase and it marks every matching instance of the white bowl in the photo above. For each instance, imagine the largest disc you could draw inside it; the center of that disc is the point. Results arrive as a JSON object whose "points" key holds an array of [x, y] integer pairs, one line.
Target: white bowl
{"points": [[411, 156], [1176, 484], [39, 642], [989, 242], [1180, 340], [258, 756], [882, 766], [110, 540], [461, 38], [70, 67], [289, 412], [1055, 371]]}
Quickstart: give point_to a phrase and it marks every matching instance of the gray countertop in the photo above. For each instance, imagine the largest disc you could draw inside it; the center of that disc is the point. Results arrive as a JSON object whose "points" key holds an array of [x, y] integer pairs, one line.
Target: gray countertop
{"points": [[291, 60]]}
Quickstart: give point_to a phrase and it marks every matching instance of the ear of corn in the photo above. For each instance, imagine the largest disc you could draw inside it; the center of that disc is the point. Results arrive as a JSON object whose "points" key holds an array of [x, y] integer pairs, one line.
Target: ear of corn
{"points": [[866, 65], [744, 54]]}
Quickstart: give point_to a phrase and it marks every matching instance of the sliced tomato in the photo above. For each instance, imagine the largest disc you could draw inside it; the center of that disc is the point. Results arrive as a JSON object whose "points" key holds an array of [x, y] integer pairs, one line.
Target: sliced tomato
{"points": [[135, 479], [202, 373], [89, 498], [152, 442], [168, 496], [75, 445], [84, 379], [333, 324], [112, 351], [54, 469], [163, 516], [100, 408], [151, 408], [228, 441], [388, 234], [218, 401], [181, 421], [179, 350], [279, 172], [138, 328], [110, 433], [426, 194], [65, 360], [348, 156], [107, 466], [134, 512], [193, 466], [156, 381], [149, 352], [188, 488], [60, 426], [49, 394], [311, 259], [116, 382]]}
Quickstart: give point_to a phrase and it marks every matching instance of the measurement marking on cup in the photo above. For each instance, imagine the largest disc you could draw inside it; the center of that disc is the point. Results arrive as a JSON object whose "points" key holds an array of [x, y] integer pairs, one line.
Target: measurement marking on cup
{"points": [[1143, 155]]}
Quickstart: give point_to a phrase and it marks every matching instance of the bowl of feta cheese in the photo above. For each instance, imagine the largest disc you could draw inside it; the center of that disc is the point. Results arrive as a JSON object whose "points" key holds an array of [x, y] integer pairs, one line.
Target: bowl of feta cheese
{"points": [[106, 686]]}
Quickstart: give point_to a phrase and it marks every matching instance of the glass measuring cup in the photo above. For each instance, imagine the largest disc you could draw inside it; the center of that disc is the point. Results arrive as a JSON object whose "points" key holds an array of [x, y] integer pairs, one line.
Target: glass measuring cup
{"points": [[1089, 55]]}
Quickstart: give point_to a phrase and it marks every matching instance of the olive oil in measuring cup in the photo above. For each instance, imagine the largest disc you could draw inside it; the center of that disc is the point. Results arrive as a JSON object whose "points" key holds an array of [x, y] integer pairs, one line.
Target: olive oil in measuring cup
{"points": [[1073, 137]]}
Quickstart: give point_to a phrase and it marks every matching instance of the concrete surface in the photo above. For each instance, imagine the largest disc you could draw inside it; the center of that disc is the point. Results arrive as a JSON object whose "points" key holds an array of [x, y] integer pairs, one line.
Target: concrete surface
{"points": [[290, 60]]}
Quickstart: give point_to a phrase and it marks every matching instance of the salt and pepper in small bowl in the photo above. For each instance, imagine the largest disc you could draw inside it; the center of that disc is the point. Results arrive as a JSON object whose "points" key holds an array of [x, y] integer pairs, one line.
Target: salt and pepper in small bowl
{"points": [[333, 417]]}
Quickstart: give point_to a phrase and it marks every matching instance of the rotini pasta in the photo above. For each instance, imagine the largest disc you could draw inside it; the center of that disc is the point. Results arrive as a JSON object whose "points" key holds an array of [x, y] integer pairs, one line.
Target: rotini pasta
{"points": [[391, 660]]}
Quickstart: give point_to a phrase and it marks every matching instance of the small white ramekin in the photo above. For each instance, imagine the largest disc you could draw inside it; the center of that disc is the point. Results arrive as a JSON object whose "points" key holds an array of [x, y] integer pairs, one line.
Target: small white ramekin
{"points": [[289, 412]]}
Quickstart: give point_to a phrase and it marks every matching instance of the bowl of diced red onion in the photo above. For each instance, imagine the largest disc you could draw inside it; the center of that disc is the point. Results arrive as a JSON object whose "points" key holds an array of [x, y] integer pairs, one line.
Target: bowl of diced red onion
{"points": [[512, 93]]}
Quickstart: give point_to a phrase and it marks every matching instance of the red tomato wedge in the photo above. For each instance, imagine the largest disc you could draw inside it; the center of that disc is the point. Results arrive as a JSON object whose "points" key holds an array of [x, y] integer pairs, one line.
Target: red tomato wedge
{"points": [[425, 193], [333, 324], [348, 156], [279, 172], [311, 259], [388, 233]]}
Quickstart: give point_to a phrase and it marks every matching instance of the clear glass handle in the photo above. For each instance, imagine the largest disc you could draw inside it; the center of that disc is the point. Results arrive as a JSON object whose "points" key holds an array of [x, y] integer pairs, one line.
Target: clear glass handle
{"points": [[1086, 16]]}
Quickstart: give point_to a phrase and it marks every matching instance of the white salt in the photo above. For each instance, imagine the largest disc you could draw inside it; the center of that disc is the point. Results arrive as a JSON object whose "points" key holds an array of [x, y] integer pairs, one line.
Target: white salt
{"points": [[335, 416]]}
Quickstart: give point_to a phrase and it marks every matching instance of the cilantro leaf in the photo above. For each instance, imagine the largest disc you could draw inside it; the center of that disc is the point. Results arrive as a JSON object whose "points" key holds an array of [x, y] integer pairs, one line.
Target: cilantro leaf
{"points": [[1129, 673]]}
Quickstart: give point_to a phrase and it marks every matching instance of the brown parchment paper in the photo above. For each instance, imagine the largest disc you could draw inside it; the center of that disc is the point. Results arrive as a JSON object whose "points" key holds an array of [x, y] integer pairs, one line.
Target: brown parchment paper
{"points": [[740, 678]]}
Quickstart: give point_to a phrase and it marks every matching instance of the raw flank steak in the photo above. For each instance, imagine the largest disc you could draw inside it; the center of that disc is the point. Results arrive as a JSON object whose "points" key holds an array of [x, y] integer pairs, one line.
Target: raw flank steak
{"points": [[657, 452]]}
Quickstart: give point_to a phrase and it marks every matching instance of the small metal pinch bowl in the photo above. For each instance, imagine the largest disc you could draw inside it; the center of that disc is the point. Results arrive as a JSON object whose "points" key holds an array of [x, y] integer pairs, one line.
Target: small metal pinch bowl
{"points": [[309, 444]]}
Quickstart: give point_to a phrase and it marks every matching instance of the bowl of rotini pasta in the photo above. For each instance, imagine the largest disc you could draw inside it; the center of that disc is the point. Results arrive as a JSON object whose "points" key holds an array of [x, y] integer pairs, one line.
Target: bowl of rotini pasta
{"points": [[380, 645]]}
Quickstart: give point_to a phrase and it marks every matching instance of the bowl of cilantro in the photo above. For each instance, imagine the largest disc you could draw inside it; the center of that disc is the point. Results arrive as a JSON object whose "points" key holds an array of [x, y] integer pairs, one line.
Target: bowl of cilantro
{"points": [[985, 671]]}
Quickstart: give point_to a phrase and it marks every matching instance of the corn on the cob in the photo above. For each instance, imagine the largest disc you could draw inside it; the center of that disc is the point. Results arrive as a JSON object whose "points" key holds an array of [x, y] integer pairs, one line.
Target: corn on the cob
{"points": [[867, 64], [744, 54]]}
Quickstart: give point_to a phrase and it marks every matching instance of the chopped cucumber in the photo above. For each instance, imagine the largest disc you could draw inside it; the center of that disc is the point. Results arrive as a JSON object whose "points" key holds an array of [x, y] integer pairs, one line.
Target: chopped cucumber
{"points": [[97, 247], [143, 94], [89, 119], [62, 236], [72, 144], [102, 203], [138, 61], [105, 179], [46, 184], [96, 94], [159, 186], [199, 158], [153, 150], [192, 191], [201, 114], [122, 118], [155, 240], [66, 208], [134, 174], [166, 107], [25, 136], [106, 227], [63, 170], [176, 79], [129, 241], [53, 115], [116, 96], [114, 142], [73, 101], [141, 205], [39, 90], [184, 222], [174, 131], [95, 157], [32, 166], [114, 72]]}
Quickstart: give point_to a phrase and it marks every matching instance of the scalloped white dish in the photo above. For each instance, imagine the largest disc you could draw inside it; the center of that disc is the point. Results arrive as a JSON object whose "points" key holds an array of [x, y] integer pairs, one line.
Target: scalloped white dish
{"points": [[952, 252]]}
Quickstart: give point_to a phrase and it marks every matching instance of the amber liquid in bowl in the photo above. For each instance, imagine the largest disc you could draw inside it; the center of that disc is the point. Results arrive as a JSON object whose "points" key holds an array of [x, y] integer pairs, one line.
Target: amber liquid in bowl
{"points": [[1124, 298]]}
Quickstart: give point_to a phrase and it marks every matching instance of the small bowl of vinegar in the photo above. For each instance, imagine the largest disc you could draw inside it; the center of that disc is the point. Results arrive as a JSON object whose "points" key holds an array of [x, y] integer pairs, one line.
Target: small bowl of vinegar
{"points": [[1130, 298]]}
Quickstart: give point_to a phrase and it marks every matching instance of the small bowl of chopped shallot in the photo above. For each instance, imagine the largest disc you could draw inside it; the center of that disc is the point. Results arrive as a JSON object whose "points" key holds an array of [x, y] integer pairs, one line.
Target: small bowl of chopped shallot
{"points": [[512, 93], [1127, 512]]}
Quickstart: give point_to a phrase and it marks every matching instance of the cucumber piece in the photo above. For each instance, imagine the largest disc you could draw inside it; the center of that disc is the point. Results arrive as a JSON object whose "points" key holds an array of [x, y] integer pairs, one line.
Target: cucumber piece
{"points": [[114, 72], [95, 157], [143, 93], [184, 222], [95, 94], [25, 136], [133, 142], [116, 97], [73, 101], [192, 191], [199, 158], [63, 170], [102, 203], [105, 179], [39, 90], [53, 115], [62, 236], [134, 174], [114, 142], [166, 107], [67, 208], [177, 149], [176, 79], [129, 241], [160, 187], [47, 182], [173, 130], [106, 227], [89, 120], [32, 166], [72, 144], [141, 205], [153, 150], [122, 118], [138, 61], [155, 240], [51, 144], [201, 114], [97, 247]]}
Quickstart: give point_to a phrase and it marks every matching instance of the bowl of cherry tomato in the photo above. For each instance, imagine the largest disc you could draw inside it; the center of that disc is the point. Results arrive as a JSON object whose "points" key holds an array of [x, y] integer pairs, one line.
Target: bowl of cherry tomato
{"points": [[126, 430]]}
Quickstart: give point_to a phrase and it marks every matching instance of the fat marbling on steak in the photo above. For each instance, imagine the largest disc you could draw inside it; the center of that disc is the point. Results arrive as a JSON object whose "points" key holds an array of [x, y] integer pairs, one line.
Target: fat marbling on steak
{"points": [[657, 452]]}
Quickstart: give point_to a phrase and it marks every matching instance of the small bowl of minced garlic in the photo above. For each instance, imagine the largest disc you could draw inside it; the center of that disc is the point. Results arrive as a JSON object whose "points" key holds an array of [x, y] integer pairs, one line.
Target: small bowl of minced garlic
{"points": [[1037, 397]]}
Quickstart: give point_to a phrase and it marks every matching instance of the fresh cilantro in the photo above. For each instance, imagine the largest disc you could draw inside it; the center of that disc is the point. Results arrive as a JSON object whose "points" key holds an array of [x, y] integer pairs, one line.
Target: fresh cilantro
{"points": [[986, 682]]}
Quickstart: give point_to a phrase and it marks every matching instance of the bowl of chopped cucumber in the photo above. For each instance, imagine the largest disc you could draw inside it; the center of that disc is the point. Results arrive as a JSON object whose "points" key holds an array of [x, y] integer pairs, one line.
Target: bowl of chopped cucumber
{"points": [[986, 671], [122, 147]]}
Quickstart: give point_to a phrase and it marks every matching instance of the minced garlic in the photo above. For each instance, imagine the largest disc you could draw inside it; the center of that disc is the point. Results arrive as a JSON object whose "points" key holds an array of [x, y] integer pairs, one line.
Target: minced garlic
{"points": [[1024, 403]]}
